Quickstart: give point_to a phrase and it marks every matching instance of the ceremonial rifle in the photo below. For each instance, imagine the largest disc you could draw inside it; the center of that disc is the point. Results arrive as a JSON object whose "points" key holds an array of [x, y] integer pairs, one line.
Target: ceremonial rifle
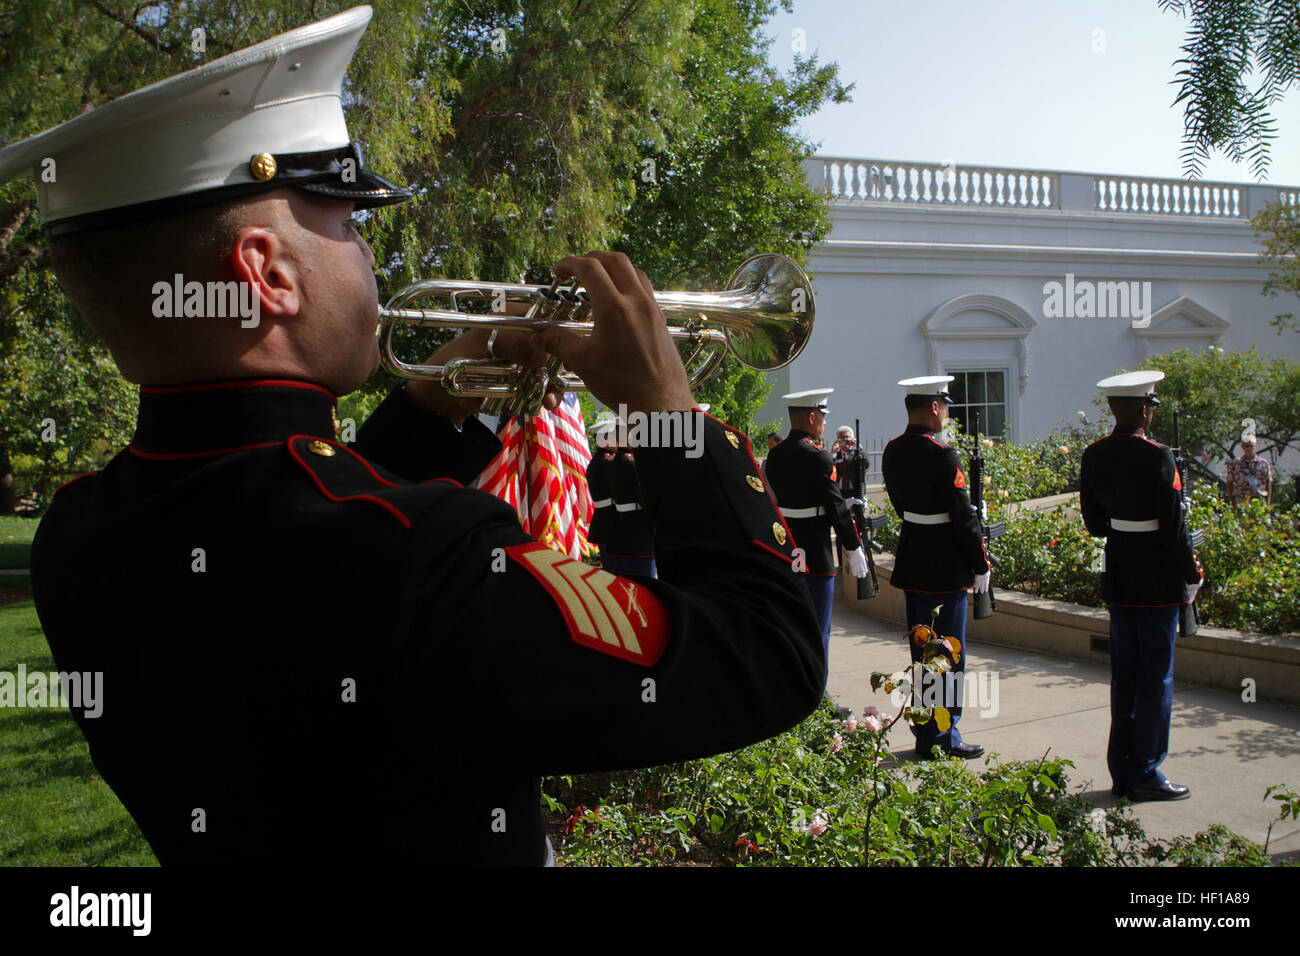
{"points": [[985, 603], [868, 587], [1187, 624]]}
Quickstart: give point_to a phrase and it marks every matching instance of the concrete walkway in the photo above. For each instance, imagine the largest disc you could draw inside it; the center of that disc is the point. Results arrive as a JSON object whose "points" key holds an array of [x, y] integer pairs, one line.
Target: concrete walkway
{"points": [[1227, 751]]}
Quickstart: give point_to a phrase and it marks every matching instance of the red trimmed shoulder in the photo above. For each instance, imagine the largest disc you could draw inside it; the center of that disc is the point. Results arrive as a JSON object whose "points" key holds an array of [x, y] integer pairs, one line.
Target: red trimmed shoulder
{"points": [[73, 481], [342, 475], [612, 615]]}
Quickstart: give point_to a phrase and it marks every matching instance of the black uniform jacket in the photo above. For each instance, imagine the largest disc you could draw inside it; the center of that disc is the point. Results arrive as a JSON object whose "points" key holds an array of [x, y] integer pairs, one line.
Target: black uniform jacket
{"points": [[924, 476], [600, 484], [1128, 476], [634, 537], [318, 654], [803, 477]]}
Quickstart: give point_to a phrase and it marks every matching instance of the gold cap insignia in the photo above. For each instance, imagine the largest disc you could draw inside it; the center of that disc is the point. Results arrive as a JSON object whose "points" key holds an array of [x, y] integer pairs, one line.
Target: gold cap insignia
{"points": [[778, 532], [731, 437], [324, 449], [755, 482], [262, 166]]}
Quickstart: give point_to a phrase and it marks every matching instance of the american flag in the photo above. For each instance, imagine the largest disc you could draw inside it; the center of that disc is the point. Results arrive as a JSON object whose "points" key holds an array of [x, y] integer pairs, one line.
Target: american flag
{"points": [[541, 470]]}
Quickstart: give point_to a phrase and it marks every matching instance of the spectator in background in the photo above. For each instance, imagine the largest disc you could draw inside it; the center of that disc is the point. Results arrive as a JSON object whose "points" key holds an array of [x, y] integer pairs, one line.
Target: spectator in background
{"points": [[842, 452], [1249, 476]]}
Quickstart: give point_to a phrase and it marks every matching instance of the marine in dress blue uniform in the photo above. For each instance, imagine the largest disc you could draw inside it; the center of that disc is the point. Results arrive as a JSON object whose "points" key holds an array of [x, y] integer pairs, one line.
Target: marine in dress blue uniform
{"points": [[941, 552], [806, 486], [294, 632], [619, 526], [1130, 493], [600, 485]]}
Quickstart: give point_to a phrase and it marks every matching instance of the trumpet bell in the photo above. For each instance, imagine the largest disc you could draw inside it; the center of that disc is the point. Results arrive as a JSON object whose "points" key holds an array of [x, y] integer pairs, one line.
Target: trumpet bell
{"points": [[775, 322]]}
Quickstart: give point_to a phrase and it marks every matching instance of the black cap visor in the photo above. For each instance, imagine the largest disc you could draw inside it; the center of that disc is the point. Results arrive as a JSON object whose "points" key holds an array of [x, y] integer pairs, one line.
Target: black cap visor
{"points": [[325, 173]]}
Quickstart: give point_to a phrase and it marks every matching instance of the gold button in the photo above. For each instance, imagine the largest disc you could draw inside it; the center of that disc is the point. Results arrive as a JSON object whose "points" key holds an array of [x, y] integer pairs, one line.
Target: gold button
{"points": [[754, 482], [324, 449], [262, 166], [778, 532], [731, 437]]}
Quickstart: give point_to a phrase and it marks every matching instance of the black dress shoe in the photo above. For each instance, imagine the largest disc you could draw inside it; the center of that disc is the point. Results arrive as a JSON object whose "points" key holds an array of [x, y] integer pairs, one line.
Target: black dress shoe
{"points": [[842, 711], [964, 751], [1165, 791]]}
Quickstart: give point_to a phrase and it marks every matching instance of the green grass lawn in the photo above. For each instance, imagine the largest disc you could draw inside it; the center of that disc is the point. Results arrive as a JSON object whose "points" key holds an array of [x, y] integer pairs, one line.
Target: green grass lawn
{"points": [[16, 543], [54, 808]]}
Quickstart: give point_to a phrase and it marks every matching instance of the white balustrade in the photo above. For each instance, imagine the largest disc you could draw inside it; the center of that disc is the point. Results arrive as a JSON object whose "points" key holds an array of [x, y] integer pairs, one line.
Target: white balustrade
{"points": [[1168, 197], [946, 184]]}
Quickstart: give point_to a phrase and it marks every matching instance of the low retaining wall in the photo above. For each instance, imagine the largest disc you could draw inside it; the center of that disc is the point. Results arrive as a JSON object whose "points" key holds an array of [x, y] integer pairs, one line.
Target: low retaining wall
{"points": [[1215, 657]]}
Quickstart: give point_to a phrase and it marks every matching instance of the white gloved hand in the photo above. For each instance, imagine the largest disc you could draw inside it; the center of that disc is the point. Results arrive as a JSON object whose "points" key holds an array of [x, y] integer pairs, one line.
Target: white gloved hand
{"points": [[982, 582], [855, 502], [1187, 506], [857, 563], [1193, 588]]}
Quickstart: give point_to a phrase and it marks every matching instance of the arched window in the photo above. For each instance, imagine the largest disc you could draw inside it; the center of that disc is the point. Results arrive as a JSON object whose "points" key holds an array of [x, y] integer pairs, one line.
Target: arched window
{"points": [[983, 341]]}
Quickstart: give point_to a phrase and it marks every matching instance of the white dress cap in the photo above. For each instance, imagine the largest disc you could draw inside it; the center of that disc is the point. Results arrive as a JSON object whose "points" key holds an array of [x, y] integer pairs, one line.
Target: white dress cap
{"points": [[936, 385], [1131, 384], [261, 118], [810, 398]]}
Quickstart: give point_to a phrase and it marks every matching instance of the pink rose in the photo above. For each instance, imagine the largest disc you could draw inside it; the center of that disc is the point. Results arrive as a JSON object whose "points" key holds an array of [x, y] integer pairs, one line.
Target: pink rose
{"points": [[870, 711], [850, 724], [873, 723], [836, 743], [818, 826]]}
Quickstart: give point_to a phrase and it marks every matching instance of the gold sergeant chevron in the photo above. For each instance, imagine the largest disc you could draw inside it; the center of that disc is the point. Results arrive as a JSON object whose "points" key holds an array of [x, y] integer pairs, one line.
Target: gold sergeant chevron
{"points": [[613, 615]]}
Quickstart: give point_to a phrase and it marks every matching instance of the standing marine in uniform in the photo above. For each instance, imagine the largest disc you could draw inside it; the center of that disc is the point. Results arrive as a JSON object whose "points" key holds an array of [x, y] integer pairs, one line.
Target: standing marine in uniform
{"points": [[632, 547], [600, 484], [806, 486], [940, 548], [293, 630], [1130, 493]]}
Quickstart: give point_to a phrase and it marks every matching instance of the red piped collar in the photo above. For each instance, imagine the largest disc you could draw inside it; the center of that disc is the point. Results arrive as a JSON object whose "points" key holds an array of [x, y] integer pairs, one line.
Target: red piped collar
{"points": [[188, 420]]}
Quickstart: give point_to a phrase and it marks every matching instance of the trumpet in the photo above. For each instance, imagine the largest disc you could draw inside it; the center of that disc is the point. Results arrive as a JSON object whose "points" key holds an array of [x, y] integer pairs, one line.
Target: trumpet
{"points": [[764, 318]]}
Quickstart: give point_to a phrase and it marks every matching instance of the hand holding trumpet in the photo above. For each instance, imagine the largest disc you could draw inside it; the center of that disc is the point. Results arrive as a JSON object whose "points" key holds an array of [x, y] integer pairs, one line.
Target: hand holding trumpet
{"points": [[629, 358]]}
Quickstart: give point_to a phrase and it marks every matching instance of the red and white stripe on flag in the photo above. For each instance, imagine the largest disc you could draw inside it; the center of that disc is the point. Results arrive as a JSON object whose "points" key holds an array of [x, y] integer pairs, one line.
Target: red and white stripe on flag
{"points": [[501, 477], [552, 500]]}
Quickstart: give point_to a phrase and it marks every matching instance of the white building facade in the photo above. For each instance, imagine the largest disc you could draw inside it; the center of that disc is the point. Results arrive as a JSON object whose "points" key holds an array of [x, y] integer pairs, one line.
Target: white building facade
{"points": [[1027, 285]]}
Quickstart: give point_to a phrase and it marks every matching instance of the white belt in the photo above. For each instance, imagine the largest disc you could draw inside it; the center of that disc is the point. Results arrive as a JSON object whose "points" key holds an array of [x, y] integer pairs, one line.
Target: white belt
{"points": [[632, 507], [803, 512], [915, 518], [603, 502], [1150, 524]]}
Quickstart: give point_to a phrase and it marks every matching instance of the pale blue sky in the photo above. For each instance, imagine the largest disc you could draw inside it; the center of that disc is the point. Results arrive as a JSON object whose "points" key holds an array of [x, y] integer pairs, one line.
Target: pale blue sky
{"points": [[1011, 83]]}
